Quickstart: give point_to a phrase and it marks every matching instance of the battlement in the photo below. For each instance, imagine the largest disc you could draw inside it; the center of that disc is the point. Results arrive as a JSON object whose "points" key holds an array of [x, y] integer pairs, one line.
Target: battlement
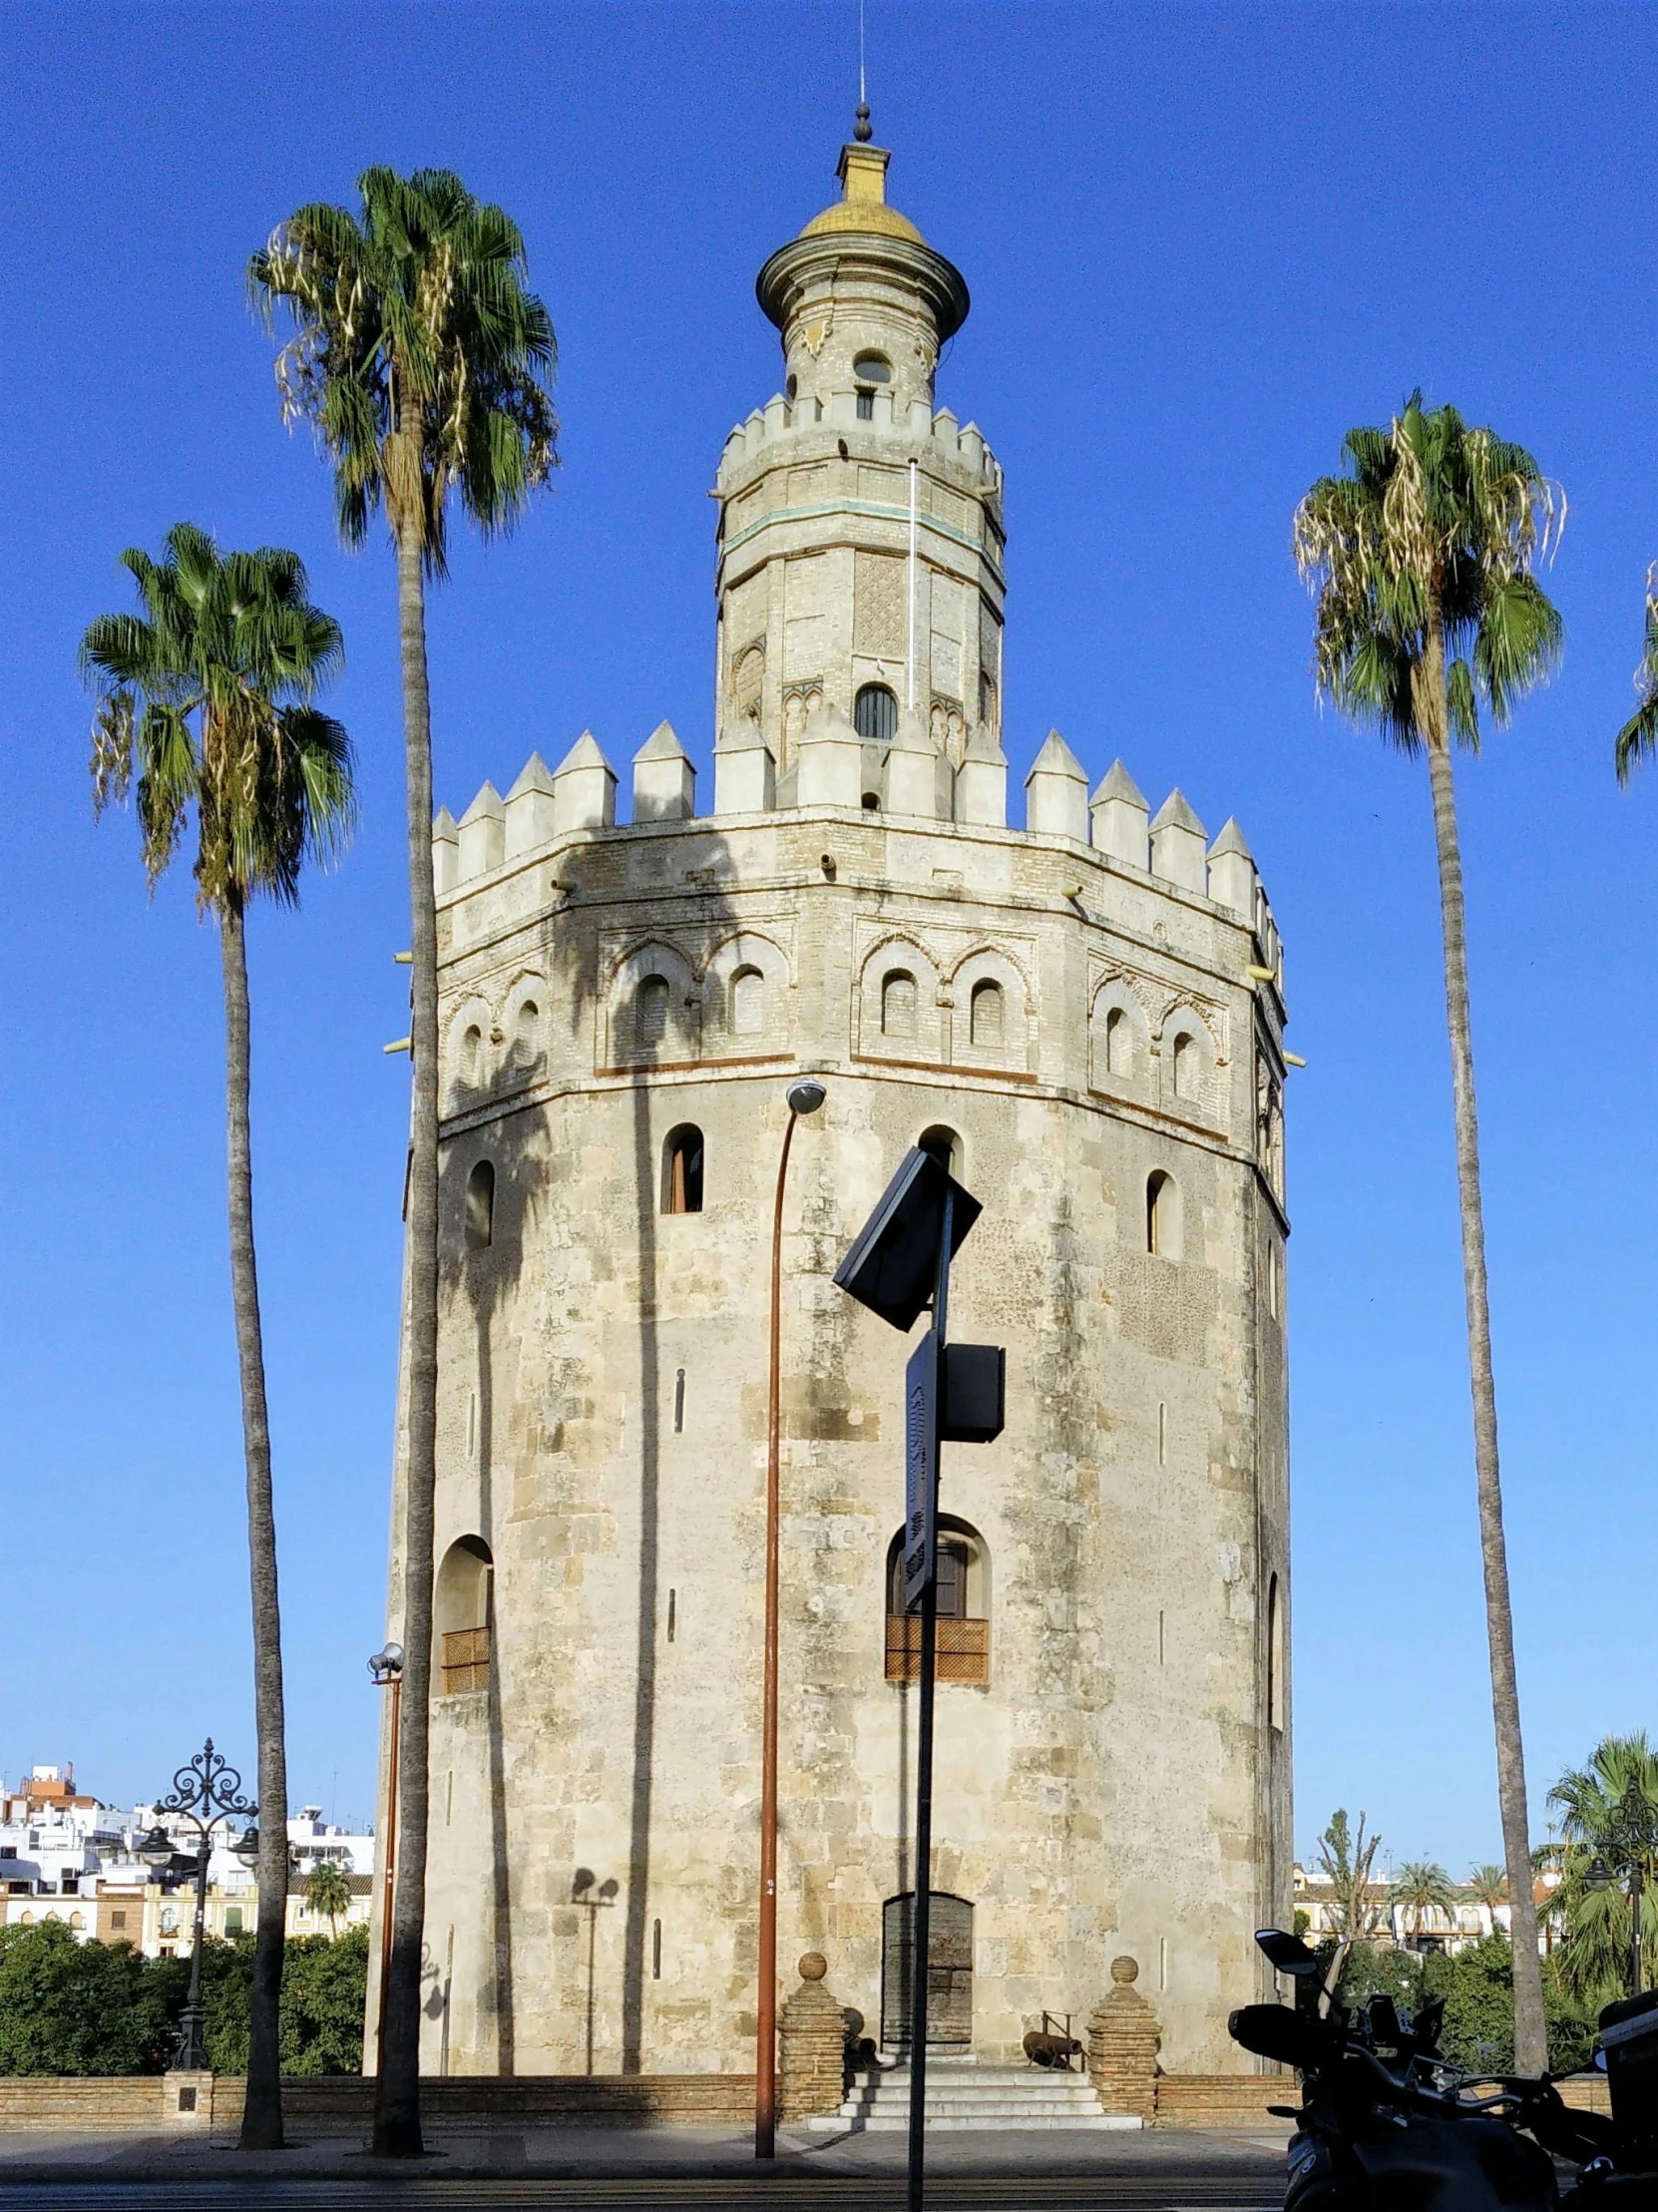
{"points": [[1115, 826], [780, 424]]}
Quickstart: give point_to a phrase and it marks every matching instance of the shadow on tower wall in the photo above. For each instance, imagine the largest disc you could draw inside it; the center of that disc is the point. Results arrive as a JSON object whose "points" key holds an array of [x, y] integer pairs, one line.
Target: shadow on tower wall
{"points": [[502, 1115]]}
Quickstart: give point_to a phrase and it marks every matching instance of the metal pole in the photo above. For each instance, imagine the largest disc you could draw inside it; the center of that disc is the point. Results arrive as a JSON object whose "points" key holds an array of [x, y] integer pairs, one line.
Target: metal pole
{"points": [[192, 2057], [765, 2011], [386, 1879], [921, 1918], [1635, 1916]]}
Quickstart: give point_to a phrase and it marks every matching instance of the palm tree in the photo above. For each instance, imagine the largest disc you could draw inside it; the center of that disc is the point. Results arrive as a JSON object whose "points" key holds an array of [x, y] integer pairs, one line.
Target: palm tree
{"points": [[1487, 1885], [1638, 739], [1594, 1915], [327, 1891], [423, 362], [1422, 1886], [206, 697], [1420, 557]]}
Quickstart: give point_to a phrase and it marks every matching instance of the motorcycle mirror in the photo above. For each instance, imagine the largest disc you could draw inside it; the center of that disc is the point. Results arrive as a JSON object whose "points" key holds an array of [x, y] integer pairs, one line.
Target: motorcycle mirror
{"points": [[1287, 1953], [1384, 2018], [1273, 2032]]}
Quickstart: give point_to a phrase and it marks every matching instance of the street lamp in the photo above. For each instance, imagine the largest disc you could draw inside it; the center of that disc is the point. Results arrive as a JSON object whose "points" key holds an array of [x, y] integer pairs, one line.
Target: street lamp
{"points": [[804, 1097], [207, 1793], [386, 1669]]}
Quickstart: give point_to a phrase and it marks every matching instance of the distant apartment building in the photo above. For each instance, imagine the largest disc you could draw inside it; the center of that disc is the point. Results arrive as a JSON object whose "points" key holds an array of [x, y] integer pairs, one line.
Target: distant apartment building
{"points": [[1424, 1928], [66, 1856]]}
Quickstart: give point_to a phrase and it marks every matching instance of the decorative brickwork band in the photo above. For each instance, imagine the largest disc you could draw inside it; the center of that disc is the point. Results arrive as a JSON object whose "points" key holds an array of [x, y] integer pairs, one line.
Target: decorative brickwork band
{"points": [[1124, 2034], [812, 2043]]}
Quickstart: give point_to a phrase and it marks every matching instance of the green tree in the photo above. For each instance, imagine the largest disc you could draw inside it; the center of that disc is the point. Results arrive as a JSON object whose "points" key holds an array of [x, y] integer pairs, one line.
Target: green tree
{"points": [[1487, 1885], [1345, 1859], [1420, 557], [423, 361], [206, 698], [70, 2008], [1422, 1886], [1595, 1920], [329, 1893]]}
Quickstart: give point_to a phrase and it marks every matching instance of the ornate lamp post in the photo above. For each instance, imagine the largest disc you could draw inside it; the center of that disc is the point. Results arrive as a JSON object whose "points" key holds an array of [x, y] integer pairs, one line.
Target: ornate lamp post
{"points": [[207, 1793], [1628, 1845], [804, 1097], [386, 1668]]}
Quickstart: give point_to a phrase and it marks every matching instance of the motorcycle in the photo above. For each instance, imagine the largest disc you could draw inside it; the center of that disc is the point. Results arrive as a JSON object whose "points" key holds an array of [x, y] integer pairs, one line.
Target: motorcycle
{"points": [[1387, 2123]]}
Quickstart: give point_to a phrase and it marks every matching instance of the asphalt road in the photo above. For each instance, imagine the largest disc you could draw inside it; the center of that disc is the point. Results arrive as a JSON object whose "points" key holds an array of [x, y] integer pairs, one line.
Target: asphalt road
{"points": [[1153, 2173]]}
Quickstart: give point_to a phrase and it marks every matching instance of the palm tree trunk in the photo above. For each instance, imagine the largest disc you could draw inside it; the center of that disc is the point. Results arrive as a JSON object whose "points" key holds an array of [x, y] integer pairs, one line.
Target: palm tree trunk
{"points": [[1530, 2031], [397, 2085], [262, 2121]]}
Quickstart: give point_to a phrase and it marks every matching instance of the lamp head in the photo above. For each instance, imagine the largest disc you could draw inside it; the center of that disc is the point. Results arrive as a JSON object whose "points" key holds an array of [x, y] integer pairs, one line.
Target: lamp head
{"points": [[155, 1848], [386, 1665], [248, 1846], [806, 1096], [1599, 1876]]}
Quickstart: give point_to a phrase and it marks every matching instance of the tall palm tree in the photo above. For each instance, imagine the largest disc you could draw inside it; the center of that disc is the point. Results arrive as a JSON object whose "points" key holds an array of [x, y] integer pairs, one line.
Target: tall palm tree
{"points": [[1487, 1885], [205, 697], [328, 1891], [423, 361], [1595, 1917], [1422, 1886], [1420, 557]]}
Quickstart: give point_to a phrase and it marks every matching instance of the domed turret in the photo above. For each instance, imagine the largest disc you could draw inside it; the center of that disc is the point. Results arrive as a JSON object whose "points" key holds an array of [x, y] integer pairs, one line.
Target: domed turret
{"points": [[860, 563]]}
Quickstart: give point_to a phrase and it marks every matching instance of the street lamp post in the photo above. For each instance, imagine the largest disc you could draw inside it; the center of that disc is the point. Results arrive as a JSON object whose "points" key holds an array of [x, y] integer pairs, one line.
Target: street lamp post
{"points": [[804, 1097], [1628, 1843], [207, 1793], [386, 1668]]}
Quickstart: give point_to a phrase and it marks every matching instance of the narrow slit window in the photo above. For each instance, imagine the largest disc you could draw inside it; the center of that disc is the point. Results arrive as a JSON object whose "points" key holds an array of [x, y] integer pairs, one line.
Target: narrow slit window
{"points": [[655, 1951], [748, 1002], [480, 1207], [1186, 1070], [1162, 1436], [1163, 1215], [683, 1172], [1119, 1043], [945, 1146], [650, 1012], [679, 1403], [672, 1614]]}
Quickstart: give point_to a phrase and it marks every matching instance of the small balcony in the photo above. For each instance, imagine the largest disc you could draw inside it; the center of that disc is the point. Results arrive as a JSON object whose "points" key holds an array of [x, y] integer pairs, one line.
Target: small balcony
{"points": [[964, 1651], [466, 1660]]}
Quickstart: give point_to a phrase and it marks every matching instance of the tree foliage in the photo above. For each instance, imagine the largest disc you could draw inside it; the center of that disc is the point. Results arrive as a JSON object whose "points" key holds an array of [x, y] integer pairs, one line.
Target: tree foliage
{"points": [[1477, 1985], [1422, 1886], [1595, 1923], [1346, 1858], [328, 1894], [1420, 559], [72, 2007], [206, 698], [419, 354]]}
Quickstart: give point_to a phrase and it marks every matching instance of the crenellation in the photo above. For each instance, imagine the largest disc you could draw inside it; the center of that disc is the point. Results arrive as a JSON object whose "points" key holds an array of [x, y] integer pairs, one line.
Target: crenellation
{"points": [[665, 781], [584, 787], [1056, 793], [1231, 871], [529, 809], [446, 852], [483, 834], [1119, 819], [1179, 845]]}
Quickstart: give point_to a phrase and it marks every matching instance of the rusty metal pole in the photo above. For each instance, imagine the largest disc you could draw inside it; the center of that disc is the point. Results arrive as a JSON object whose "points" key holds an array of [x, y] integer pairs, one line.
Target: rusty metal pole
{"points": [[804, 1097]]}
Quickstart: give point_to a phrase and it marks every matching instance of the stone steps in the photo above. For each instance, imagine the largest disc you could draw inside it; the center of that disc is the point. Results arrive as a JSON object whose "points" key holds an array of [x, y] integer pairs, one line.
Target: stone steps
{"points": [[961, 2095]]}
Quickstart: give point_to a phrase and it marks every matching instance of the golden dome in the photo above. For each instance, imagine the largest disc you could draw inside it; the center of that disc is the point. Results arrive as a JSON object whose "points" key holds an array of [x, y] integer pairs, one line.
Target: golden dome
{"points": [[865, 216], [863, 203]]}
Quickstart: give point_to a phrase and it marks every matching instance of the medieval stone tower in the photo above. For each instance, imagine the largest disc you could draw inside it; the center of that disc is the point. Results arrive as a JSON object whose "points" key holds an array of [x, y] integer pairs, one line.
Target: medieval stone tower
{"points": [[1087, 1012]]}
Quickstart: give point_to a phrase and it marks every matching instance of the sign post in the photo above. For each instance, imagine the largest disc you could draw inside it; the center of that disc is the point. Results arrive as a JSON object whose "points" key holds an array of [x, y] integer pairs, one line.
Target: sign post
{"points": [[899, 1263]]}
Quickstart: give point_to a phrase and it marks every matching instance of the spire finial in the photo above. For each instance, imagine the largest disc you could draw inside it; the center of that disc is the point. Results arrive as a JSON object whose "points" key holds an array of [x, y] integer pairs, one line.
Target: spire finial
{"points": [[863, 130]]}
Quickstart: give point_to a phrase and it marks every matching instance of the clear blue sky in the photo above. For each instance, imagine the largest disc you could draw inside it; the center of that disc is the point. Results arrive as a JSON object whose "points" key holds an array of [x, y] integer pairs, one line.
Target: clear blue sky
{"points": [[1202, 241]]}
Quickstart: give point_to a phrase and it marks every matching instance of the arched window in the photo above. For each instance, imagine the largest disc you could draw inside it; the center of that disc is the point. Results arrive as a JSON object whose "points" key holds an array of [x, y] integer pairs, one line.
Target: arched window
{"points": [[1119, 1043], [945, 1146], [472, 1054], [462, 1614], [748, 1002], [527, 1034], [964, 1642], [1275, 1655], [872, 369], [77, 1920], [480, 1207], [650, 1012], [875, 713], [985, 1016], [898, 1003], [1189, 1068], [1163, 1215], [683, 1171], [986, 699]]}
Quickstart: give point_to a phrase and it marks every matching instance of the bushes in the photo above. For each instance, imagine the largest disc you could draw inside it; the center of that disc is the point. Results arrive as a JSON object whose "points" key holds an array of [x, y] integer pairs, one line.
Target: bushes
{"points": [[69, 2008], [1477, 1987]]}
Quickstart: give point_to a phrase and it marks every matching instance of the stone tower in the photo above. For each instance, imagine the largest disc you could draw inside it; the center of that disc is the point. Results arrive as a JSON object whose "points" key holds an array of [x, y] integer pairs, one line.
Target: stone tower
{"points": [[1086, 1012]]}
